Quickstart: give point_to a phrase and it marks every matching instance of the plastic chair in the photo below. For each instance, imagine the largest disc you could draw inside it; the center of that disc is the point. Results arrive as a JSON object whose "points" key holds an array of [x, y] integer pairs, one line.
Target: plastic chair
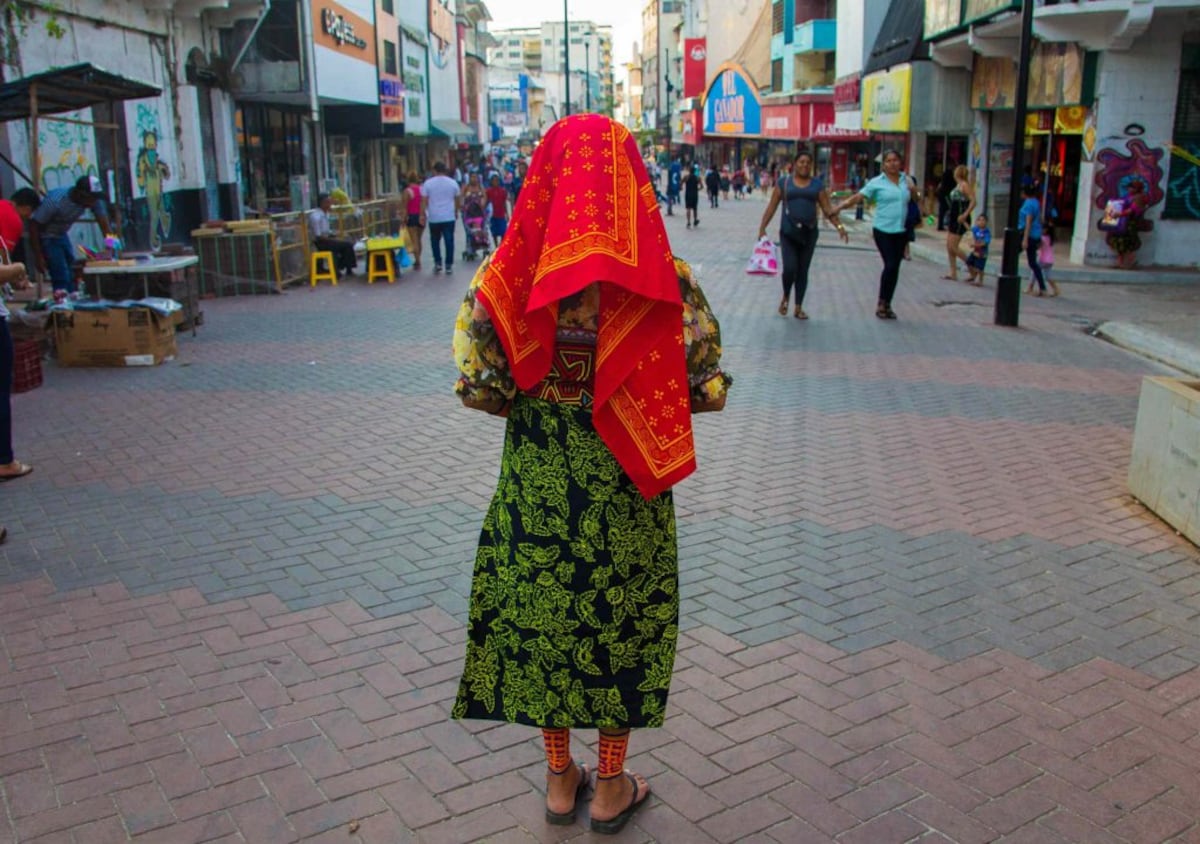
{"points": [[315, 273], [380, 264]]}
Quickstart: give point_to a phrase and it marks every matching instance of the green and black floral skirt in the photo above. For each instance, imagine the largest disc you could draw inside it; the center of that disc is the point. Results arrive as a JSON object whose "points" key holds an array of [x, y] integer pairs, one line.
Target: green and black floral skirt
{"points": [[575, 600]]}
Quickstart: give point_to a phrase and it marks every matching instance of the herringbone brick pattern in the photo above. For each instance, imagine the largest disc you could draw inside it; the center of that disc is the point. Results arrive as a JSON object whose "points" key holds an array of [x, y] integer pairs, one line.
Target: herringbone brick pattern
{"points": [[168, 718], [918, 603]]}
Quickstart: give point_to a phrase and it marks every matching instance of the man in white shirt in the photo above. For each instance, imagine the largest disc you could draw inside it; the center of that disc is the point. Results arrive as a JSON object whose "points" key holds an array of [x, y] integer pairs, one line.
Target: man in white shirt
{"points": [[320, 230], [441, 199]]}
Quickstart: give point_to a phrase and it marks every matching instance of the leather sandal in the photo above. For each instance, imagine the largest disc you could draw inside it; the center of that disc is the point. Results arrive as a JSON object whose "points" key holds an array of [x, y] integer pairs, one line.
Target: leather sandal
{"points": [[783, 306]]}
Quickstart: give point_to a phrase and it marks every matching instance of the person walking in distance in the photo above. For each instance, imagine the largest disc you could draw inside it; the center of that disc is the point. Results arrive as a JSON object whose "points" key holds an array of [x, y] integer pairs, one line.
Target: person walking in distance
{"points": [[1030, 222], [441, 200], [413, 224], [498, 200], [712, 183], [597, 348], [960, 202], [691, 197], [891, 191], [801, 194]]}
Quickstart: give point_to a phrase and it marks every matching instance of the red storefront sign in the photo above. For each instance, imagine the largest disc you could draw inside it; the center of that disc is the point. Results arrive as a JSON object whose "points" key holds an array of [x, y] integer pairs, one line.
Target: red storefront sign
{"points": [[691, 125], [847, 93], [795, 122], [826, 131], [695, 67]]}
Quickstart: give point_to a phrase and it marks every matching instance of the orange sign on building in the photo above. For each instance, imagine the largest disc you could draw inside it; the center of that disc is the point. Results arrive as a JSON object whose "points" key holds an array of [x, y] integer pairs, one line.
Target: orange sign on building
{"points": [[342, 31]]}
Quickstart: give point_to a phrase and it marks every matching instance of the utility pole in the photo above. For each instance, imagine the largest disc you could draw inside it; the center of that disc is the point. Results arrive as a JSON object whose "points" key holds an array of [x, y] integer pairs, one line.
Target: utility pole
{"points": [[566, 61]]}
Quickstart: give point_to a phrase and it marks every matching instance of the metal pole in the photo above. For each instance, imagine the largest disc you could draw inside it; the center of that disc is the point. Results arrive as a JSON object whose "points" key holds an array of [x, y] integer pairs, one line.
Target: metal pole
{"points": [[566, 60], [1008, 285], [587, 74]]}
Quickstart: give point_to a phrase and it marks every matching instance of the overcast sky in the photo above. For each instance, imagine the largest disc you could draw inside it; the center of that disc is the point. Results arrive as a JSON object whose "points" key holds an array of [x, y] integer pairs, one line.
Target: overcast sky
{"points": [[624, 16]]}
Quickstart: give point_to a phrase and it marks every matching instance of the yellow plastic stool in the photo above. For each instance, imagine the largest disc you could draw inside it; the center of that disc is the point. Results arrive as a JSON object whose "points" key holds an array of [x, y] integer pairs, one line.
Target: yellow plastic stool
{"points": [[315, 273], [385, 269]]}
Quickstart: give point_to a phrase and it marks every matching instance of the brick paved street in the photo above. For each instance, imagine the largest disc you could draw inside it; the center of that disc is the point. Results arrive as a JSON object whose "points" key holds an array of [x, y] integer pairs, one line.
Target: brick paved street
{"points": [[919, 603]]}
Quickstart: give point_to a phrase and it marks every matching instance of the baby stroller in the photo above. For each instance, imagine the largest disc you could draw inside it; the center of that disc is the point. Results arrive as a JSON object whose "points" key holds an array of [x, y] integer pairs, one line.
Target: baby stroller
{"points": [[478, 240]]}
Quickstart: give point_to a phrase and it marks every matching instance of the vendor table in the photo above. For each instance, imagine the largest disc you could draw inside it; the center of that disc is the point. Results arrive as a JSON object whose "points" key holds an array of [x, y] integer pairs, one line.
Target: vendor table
{"points": [[169, 278]]}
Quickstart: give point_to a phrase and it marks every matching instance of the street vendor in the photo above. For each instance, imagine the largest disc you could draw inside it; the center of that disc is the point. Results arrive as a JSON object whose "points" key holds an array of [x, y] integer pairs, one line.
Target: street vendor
{"points": [[50, 223], [321, 232]]}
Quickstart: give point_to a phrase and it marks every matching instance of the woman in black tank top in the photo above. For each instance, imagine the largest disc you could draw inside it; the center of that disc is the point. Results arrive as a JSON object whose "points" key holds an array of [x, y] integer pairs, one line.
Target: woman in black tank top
{"points": [[801, 194]]}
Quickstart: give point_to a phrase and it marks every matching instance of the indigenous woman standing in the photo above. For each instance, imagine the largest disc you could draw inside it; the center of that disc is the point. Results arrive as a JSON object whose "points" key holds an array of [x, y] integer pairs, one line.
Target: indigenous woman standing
{"points": [[597, 345], [800, 193]]}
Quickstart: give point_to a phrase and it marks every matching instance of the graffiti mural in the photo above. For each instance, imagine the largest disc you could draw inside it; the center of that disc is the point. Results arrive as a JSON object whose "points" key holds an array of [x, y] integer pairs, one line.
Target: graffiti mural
{"points": [[1116, 170], [67, 151], [151, 171], [1183, 187]]}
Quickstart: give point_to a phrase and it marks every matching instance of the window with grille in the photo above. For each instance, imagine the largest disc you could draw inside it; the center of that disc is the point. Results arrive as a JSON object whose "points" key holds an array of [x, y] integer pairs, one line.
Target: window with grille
{"points": [[777, 17], [389, 58], [1183, 177], [777, 75]]}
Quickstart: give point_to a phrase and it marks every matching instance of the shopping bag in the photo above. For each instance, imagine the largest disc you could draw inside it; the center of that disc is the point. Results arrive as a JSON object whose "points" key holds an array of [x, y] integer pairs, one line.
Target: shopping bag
{"points": [[764, 260], [406, 260], [1114, 220]]}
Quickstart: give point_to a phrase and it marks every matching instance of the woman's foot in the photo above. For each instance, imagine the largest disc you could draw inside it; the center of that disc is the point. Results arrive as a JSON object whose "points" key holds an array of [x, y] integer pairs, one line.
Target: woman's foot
{"points": [[949, 278], [1054, 291], [16, 469], [799, 314], [881, 311], [616, 800], [563, 792], [783, 306]]}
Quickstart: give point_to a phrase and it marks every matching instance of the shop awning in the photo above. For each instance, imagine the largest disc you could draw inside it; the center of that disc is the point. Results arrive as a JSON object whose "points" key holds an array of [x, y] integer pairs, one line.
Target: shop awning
{"points": [[457, 131], [901, 36], [68, 89]]}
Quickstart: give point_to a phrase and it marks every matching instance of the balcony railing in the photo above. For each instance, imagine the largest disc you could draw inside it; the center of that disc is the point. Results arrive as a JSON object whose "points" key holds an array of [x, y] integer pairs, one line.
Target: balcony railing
{"points": [[815, 36]]}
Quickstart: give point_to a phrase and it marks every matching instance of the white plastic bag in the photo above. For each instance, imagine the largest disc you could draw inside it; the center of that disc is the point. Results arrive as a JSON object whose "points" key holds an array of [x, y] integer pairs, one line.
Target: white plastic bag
{"points": [[765, 258]]}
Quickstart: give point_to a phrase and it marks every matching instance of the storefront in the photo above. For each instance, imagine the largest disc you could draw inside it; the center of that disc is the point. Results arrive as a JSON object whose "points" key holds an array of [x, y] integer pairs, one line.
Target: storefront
{"points": [[732, 118], [847, 149], [691, 132], [886, 107], [347, 83], [276, 149]]}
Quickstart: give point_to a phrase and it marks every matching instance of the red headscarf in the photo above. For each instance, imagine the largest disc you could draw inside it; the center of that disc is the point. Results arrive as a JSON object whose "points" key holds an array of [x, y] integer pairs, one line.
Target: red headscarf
{"points": [[587, 213], [11, 224]]}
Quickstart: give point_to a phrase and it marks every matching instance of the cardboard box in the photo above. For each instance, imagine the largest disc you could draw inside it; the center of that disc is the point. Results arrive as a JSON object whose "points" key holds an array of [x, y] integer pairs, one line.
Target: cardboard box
{"points": [[113, 337]]}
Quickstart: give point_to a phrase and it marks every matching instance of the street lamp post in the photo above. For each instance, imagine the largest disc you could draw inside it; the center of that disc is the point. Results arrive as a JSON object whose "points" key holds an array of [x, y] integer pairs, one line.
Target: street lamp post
{"points": [[566, 61], [587, 74], [669, 89], [1008, 285]]}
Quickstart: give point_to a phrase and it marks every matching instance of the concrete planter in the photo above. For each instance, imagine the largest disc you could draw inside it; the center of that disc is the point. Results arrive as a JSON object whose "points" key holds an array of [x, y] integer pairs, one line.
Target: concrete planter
{"points": [[1164, 472]]}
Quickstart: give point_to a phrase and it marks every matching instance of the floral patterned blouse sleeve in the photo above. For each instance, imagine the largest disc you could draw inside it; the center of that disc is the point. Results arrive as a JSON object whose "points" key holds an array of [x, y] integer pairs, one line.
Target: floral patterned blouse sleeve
{"points": [[702, 341], [484, 377]]}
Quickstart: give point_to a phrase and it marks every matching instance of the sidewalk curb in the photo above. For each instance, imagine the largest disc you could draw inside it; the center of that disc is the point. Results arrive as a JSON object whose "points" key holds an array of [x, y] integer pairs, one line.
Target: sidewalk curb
{"points": [[1151, 344]]}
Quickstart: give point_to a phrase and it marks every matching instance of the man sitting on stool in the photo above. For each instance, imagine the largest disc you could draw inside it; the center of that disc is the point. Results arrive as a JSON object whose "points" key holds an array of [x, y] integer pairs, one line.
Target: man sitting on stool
{"points": [[319, 230]]}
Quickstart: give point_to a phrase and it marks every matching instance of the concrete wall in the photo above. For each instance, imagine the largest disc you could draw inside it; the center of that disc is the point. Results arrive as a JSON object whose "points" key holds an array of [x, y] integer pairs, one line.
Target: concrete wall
{"points": [[1136, 86], [162, 158]]}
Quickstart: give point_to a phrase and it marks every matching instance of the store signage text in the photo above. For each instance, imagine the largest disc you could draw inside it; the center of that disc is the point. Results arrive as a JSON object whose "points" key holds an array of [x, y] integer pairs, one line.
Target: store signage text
{"points": [[340, 30], [732, 106]]}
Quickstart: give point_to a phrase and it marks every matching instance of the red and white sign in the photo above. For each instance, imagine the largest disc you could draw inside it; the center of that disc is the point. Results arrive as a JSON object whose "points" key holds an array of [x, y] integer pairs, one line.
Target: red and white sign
{"points": [[695, 67], [847, 93], [795, 121], [691, 125], [830, 132]]}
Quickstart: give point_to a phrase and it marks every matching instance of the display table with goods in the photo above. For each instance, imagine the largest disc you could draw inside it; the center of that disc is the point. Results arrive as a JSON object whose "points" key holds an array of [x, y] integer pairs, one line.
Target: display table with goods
{"points": [[144, 276]]}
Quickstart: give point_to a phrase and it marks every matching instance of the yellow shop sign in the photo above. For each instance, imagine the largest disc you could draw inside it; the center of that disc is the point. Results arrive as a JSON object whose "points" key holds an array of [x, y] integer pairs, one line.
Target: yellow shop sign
{"points": [[886, 97]]}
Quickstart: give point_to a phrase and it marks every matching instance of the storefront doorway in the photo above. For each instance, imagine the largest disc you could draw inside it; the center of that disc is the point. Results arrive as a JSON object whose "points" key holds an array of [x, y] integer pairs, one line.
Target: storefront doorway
{"points": [[942, 153]]}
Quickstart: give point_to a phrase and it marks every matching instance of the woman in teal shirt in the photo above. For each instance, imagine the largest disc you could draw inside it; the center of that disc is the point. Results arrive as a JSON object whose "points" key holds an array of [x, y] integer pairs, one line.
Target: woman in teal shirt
{"points": [[891, 192]]}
